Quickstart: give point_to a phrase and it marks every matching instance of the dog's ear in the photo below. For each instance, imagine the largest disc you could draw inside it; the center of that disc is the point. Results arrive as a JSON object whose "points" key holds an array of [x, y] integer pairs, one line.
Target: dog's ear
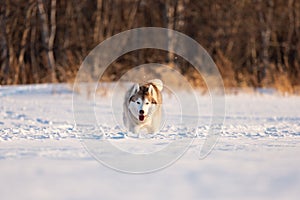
{"points": [[158, 83], [151, 90], [135, 89]]}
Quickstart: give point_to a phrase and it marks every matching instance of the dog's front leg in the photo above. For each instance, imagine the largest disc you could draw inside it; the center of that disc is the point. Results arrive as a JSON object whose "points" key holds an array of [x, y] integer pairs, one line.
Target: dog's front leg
{"points": [[134, 129]]}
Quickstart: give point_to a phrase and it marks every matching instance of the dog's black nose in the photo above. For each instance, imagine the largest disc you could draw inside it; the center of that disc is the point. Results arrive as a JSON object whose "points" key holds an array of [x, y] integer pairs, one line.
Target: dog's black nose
{"points": [[141, 112]]}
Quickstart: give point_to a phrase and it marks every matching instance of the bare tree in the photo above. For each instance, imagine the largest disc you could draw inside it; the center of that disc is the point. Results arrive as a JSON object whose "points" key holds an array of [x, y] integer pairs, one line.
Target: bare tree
{"points": [[48, 35], [98, 34], [254, 42], [265, 15]]}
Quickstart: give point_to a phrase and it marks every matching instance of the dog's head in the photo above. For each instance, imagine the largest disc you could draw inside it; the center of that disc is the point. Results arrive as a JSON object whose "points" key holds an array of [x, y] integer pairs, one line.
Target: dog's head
{"points": [[144, 100]]}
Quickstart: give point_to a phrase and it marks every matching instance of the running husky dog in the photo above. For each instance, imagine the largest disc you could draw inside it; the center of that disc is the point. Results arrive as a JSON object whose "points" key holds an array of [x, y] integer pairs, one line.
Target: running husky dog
{"points": [[142, 107]]}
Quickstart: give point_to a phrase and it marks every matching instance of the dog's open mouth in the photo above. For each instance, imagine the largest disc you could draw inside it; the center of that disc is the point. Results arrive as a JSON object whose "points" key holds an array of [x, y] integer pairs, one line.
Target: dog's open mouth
{"points": [[141, 117]]}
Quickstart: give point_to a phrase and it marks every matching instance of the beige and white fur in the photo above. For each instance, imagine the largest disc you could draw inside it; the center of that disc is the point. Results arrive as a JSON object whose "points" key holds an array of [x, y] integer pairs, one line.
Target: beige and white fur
{"points": [[142, 108]]}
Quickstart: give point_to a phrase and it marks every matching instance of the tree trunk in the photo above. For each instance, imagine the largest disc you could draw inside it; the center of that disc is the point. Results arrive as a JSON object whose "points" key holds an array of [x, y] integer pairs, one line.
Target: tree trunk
{"points": [[98, 36], [265, 19], [48, 36], [23, 44]]}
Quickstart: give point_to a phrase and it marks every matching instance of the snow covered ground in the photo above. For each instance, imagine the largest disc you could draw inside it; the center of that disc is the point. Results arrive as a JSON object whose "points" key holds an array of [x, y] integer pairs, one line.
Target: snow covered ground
{"points": [[41, 156]]}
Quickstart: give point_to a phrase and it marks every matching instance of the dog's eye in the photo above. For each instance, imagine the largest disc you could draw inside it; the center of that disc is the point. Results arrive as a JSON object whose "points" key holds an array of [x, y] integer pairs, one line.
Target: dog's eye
{"points": [[138, 102], [147, 103]]}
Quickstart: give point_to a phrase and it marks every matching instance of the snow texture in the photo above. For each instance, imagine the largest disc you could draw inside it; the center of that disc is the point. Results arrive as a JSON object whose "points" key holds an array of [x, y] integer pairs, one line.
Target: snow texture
{"points": [[42, 157]]}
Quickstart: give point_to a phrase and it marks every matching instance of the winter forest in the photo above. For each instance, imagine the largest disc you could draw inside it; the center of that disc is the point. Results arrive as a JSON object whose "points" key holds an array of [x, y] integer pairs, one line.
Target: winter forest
{"points": [[254, 43]]}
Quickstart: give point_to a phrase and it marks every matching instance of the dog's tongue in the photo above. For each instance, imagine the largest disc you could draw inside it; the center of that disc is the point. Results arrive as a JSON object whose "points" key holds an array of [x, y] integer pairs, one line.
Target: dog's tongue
{"points": [[141, 117]]}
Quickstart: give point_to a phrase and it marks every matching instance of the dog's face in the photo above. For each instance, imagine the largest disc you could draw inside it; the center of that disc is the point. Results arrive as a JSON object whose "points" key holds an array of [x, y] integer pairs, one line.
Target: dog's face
{"points": [[142, 102]]}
